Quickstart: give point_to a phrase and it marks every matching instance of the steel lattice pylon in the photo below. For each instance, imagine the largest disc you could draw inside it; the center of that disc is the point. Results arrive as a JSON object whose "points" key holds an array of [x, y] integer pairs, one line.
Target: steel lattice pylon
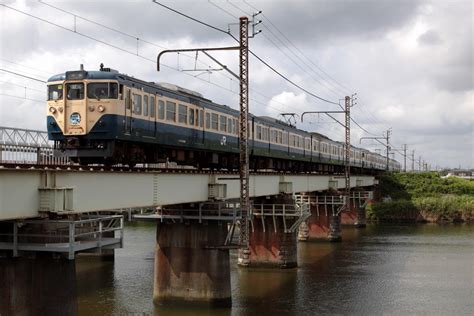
{"points": [[23, 137], [244, 155]]}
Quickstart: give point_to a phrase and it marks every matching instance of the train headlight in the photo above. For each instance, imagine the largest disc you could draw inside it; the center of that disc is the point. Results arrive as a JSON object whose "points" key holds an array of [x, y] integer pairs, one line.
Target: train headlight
{"points": [[91, 108], [101, 108], [60, 109], [52, 110]]}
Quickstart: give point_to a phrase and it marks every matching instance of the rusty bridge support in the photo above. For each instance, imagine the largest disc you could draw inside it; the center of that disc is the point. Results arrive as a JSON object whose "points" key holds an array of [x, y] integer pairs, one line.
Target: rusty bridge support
{"points": [[355, 215], [192, 254], [324, 223], [273, 232]]}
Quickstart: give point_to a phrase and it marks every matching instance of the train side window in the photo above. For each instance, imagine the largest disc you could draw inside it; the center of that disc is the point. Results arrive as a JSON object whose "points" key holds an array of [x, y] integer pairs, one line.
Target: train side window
{"points": [[161, 110], [208, 121], [191, 117], [259, 132], [200, 118], [234, 127], [121, 91], [285, 138], [137, 102], [229, 125], [223, 124], [182, 114], [215, 121], [145, 105], [152, 106], [170, 111]]}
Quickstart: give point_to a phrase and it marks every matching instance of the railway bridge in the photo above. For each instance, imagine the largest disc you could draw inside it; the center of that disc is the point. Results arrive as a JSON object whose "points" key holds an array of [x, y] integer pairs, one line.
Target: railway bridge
{"points": [[51, 205]]}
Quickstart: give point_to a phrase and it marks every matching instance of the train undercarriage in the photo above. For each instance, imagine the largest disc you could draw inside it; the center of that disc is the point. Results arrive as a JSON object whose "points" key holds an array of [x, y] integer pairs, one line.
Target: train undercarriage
{"points": [[109, 153]]}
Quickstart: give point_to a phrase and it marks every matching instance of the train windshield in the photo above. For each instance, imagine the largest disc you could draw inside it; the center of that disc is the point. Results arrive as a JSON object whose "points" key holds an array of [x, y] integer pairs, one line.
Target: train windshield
{"points": [[55, 92], [75, 91], [102, 90]]}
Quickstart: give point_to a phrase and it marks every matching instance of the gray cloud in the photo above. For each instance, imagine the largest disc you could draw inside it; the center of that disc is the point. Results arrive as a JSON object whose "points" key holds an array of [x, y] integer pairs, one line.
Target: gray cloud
{"points": [[410, 61], [430, 37]]}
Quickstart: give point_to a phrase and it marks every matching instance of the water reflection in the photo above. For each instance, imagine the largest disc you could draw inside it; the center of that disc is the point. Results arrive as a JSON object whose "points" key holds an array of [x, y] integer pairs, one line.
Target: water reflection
{"points": [[401, 269]]}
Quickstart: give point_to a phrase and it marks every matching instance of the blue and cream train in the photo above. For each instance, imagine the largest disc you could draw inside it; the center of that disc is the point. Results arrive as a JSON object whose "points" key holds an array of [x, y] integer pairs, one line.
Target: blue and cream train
{"points": [[108, 117]]}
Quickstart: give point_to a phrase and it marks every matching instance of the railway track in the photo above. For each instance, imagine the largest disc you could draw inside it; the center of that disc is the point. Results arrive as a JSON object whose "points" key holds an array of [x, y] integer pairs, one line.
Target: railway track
{"points": [[140, 169]]}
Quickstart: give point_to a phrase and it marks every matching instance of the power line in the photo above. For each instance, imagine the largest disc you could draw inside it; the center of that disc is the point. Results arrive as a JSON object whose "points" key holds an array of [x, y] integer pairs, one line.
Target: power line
{"points": [[251, 52], [191, 18], [19, 85], [134, 54], [15, 96], [17, 74]]}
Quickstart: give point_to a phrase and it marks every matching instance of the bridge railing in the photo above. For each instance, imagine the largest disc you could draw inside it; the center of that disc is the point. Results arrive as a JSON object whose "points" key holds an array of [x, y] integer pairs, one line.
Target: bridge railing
{"points": [[25, 146], [21, 154]]}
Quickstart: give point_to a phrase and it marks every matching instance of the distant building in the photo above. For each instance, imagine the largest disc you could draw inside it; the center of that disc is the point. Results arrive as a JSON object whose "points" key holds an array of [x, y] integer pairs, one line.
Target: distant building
{"points": [[460, 173]]}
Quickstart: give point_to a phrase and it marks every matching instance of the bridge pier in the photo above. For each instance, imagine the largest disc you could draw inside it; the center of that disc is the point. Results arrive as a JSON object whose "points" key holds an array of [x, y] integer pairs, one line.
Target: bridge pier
{"points": [[324, 223], [355, 216], [191, 264], [273, 237], [38, 285]]}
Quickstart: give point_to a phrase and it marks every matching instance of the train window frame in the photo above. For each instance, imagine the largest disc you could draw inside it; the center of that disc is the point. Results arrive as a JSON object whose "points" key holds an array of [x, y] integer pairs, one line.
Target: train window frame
{"points": [[58, 88], [170, 112], [191, 117], [182, 114], [152, 106], [80, 97], [161, 110], [110, 86], [201, 118], [137, 103], [208, 120], [145, 105], [259, 132], [223, 123], [229, 125], [215, 121]]}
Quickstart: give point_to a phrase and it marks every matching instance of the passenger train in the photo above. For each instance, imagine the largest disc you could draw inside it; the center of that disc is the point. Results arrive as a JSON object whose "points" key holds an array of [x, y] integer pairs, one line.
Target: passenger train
{"points": [[108, 117]]}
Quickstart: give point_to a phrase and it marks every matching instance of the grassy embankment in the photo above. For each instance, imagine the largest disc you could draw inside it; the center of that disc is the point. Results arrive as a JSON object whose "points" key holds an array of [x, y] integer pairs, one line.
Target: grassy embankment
{"points": [[423, 197]]}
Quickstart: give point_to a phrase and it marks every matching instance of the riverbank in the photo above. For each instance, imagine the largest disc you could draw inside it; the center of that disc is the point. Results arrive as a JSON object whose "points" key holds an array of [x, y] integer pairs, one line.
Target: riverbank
{"points": [[422, 197]]}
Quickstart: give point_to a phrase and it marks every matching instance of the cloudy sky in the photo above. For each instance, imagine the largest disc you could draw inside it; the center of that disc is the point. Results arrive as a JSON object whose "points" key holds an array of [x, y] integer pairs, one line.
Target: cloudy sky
{"points": [[410, 62]]}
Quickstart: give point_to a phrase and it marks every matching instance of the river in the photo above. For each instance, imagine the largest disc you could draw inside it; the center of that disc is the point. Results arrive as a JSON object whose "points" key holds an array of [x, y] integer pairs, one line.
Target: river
{"points": [[422, 269]]}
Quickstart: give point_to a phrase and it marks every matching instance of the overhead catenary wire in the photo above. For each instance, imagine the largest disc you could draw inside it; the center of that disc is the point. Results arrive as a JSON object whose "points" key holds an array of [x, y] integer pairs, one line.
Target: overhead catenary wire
{"points": [[261, 60], [25, 98], [131, 52], [18, 74], [250, 51]]}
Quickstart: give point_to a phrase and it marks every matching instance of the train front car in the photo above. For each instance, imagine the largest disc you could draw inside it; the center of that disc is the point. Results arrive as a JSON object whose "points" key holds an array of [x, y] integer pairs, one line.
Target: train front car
{"points": [[82, 110]]}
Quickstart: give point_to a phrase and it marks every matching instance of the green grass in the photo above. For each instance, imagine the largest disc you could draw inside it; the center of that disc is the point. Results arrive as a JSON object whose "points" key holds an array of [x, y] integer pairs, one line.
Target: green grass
{"points": [[413, 194]]}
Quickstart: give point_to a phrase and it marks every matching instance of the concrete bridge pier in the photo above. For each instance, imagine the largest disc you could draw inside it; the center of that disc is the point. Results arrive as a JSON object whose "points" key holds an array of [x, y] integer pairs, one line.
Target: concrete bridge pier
{"points": [[324, 223], [39, 284], [355, 216], [191, 264], [273, 236]]}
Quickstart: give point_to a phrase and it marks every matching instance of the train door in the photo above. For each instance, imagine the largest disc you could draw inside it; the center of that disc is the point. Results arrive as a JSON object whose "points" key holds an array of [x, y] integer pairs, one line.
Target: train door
{"points": [[75, 109], [128, 112], [153, 115]]}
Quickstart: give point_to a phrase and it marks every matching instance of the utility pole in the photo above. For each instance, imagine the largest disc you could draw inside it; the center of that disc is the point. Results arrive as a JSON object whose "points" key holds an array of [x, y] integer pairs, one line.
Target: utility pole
{"points": [[347, 144], [244, 154], [413, 160], [387, 144], [404, 157], [388, 148], [347, 147], [243, 78], [419, 164]]}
